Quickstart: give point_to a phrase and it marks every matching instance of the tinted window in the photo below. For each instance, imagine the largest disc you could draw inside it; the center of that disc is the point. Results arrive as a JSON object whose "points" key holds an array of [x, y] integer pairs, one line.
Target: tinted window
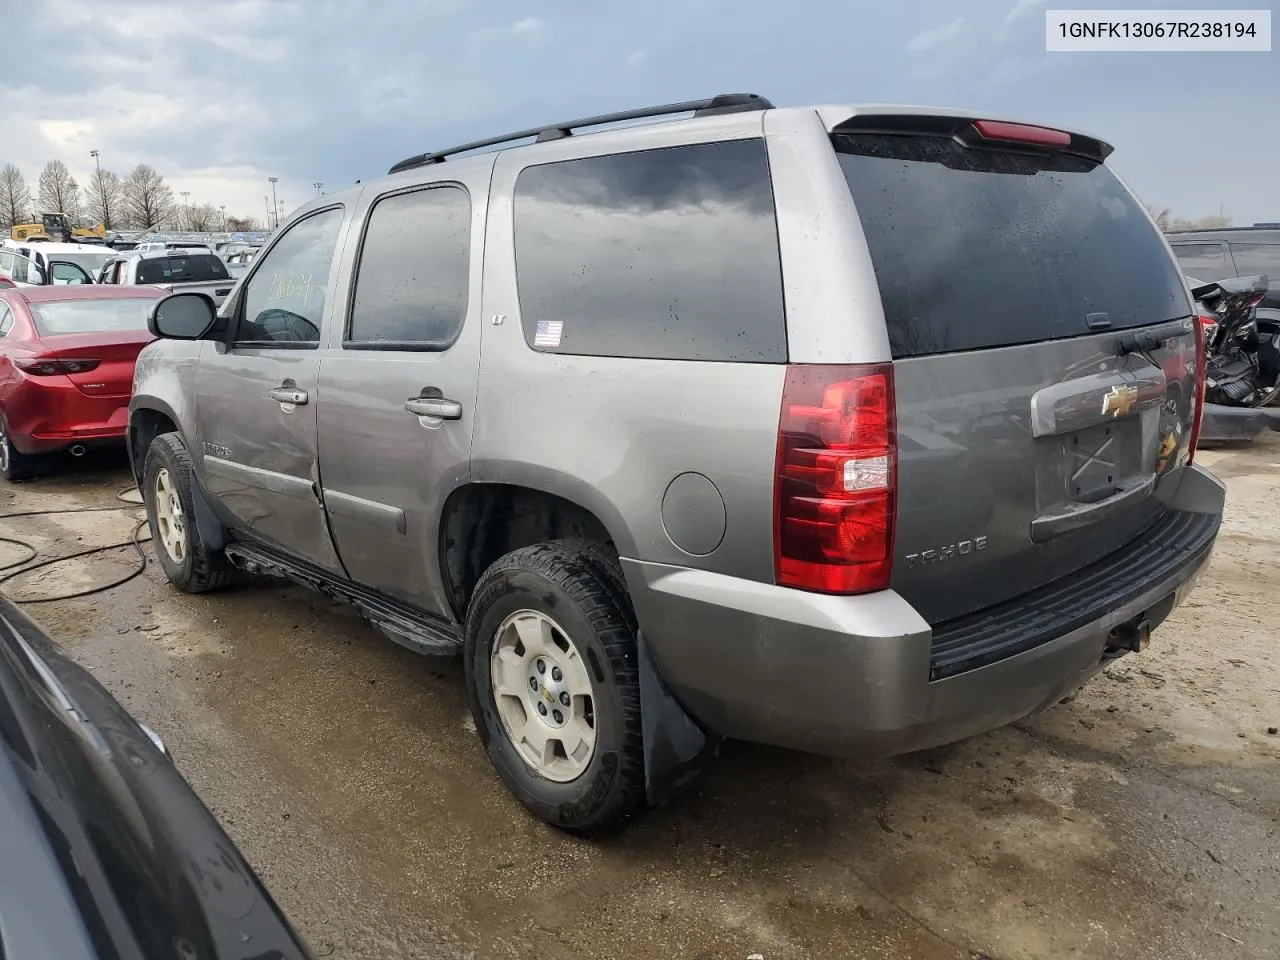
{"points": [[6, 320], [1204, 261], [1255, 258], [668, 253], [977, 248], [414, 269], [283, 301], [180, 268]]}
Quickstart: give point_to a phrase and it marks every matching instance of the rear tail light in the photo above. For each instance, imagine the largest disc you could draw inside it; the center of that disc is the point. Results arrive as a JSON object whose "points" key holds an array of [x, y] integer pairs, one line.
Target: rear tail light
{"points": [[836, 479], [1021, 133], [1201, 333], [52, 366]]}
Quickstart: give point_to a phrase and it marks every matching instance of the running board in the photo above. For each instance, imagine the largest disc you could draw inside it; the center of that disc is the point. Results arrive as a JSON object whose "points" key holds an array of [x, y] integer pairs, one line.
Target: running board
{"points": [[418, 631]]}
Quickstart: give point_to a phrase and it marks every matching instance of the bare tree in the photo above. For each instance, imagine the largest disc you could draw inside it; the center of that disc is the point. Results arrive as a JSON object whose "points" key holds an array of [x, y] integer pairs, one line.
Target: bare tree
{"points": [[59, 192], [15, 198], [148, 200], [1213, 222], [102, 198], [201, 218], [241, 224], [1160, 215]]}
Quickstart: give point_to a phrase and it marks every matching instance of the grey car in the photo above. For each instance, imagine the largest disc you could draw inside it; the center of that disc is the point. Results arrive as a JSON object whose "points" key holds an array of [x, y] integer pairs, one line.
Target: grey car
{"points": [[856, 430]]}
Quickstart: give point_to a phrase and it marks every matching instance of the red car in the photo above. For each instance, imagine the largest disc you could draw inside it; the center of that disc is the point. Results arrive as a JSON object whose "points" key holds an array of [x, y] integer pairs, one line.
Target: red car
{"points": [[66, 369]]}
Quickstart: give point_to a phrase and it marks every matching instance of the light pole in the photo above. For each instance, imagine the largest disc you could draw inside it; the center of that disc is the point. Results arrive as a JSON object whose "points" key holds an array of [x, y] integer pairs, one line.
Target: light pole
{"points": [[186, 212], [102, 193], [223, 210], [319, 185], [275, 206]]}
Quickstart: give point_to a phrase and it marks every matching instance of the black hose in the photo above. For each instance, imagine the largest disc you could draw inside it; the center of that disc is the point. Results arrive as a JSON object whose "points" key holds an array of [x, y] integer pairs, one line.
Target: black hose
{"points": [[133, 541]]}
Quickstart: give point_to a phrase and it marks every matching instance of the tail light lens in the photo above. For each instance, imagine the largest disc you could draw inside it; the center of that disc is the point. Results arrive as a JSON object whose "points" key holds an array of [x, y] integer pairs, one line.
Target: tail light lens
{"points": [[836, 477], [1021, 133], [52, 366], [1201, 333]]}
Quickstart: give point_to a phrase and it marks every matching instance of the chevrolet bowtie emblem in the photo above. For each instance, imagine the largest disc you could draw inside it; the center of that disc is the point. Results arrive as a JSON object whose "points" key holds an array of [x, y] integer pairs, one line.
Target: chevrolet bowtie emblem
{"points": [[1119, 400]]}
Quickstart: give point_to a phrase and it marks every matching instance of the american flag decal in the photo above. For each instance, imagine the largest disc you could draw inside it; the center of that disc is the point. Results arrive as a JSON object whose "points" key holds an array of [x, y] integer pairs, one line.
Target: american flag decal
{"points": [[547, 333]]}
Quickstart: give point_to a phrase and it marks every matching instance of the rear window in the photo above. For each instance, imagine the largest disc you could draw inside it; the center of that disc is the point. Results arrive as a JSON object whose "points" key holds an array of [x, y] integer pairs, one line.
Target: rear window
{"points": [[978, 248], [56, 317], [668, 253], [177, 269], [1204, 261], [1255, 258]]}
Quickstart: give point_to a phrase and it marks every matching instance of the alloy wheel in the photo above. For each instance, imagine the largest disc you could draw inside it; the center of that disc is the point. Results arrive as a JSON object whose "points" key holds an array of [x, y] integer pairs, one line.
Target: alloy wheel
{"points": [[543, 692], [169, 516]]}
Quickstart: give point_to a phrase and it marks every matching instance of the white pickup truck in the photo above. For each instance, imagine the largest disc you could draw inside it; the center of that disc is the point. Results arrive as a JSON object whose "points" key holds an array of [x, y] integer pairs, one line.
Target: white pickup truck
{"points": [[197, 272]]}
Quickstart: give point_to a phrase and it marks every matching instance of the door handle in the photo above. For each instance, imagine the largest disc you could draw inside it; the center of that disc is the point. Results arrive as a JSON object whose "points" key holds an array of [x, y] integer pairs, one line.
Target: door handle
{"points": [[289, 395], [437, 407]]}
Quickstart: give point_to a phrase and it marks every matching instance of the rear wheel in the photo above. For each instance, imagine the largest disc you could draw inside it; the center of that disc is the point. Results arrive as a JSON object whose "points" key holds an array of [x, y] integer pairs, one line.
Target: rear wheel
{"points": [[552, 677], [167, 492], [14, 466]]}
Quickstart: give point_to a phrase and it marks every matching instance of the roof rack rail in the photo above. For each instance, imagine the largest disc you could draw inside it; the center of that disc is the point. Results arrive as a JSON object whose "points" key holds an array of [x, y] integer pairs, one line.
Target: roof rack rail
{"points": [[724, 103]]}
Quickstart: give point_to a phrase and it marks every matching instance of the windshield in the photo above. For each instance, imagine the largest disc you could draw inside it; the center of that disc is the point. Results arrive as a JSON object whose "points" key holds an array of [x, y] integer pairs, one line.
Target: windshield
{"points": [[91, 263], [56, 317], [976, 249]]}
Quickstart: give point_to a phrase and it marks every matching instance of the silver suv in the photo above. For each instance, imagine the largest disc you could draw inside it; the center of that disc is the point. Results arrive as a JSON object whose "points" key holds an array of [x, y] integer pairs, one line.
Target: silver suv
{"points": [[848, 429]]}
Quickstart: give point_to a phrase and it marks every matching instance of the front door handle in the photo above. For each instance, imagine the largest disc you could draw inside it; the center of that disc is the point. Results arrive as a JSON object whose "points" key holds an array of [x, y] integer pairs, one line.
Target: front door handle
{"points": [[289, 395], [437, 407]]}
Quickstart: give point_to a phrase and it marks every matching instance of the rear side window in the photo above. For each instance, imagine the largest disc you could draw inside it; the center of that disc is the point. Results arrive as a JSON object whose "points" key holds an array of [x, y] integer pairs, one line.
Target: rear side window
{"points": [[978, 248], [1204, 261], [669, 253], [1255, 258], [414, 270], [192, 267]]}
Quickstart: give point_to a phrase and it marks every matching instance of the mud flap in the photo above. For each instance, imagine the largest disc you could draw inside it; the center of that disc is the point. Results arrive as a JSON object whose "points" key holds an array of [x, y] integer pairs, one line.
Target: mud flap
{"points": [[212, 534], [676, 748]]}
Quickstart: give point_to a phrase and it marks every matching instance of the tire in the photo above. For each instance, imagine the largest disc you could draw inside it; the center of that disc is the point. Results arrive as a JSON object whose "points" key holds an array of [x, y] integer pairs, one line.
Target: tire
{"points": [[577, 588], [15, 466], [193, 568]]}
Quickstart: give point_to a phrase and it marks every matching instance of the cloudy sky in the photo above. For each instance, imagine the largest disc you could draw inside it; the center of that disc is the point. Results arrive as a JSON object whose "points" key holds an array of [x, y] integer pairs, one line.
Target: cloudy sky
{"points": [[220, 95]]}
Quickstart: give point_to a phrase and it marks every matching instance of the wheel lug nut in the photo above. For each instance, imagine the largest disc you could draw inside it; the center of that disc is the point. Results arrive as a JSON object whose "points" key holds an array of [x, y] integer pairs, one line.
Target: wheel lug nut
{"points": [[533, 683], [542, 666], [542, 708], [564, 697], [556, 675], [559, 717]]}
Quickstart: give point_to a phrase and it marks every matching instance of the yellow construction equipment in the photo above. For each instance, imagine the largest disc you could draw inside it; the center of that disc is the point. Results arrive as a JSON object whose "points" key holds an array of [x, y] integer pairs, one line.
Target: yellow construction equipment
{"points": [[52, 226]]}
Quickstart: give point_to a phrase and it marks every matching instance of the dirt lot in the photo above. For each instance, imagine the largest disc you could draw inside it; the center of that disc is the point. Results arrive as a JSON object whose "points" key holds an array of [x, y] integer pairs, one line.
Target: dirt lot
{"points": [[1139, 820]]}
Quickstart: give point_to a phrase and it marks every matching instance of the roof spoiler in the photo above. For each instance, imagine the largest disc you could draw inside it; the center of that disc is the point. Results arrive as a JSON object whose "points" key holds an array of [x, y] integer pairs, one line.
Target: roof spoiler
{"points": [[981, 134]]}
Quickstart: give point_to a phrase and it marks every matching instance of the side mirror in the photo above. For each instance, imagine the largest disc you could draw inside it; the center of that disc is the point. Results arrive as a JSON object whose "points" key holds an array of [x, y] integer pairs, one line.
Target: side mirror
{"points": [[182, 316], [64, 272]]}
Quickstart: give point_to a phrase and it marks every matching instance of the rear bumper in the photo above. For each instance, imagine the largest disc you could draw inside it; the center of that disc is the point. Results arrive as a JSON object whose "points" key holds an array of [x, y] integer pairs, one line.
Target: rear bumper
{"points": [[1222, 423], [48, 417], [851, 675]]}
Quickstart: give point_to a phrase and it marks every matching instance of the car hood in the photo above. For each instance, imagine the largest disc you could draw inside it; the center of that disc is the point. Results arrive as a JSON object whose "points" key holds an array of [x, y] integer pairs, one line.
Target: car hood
{"points": [[105, 851]]}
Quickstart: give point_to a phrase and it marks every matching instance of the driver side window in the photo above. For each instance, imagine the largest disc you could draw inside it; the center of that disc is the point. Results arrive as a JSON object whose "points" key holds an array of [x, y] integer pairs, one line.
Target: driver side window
{"points": [[283, 302]]}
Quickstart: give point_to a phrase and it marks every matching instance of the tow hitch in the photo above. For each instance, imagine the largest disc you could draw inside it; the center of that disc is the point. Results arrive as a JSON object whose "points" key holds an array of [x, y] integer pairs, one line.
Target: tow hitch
{"points": [[1131, 637]]}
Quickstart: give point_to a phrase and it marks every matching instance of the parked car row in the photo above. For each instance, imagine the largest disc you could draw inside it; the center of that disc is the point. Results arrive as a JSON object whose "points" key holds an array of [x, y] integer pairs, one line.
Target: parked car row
{"points": [[849, 429]]}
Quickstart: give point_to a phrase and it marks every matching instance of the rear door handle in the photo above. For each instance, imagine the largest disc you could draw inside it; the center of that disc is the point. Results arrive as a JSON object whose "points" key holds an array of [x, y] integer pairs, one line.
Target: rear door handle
{"points": [[437, 407], [289, 395]]}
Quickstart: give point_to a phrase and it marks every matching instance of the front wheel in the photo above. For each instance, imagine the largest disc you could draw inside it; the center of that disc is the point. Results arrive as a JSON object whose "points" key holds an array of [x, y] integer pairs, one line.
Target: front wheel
{"points": [[167, 492], [550, 657]]}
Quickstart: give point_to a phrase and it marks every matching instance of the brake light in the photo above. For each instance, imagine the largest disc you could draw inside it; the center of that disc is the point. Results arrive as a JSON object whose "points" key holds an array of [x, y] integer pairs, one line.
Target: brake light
{"points": [[1021, 133], [1197, 414], [835, 479], [52, 366]]}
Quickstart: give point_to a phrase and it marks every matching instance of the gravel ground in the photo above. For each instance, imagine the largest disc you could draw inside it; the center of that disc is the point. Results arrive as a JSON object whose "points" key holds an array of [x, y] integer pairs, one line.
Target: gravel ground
{"points": [[1138, 820]]}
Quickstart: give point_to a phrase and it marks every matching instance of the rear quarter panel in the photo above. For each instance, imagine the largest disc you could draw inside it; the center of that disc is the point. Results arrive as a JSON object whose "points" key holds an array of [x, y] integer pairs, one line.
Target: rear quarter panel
{"points": [[611, 434]]}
